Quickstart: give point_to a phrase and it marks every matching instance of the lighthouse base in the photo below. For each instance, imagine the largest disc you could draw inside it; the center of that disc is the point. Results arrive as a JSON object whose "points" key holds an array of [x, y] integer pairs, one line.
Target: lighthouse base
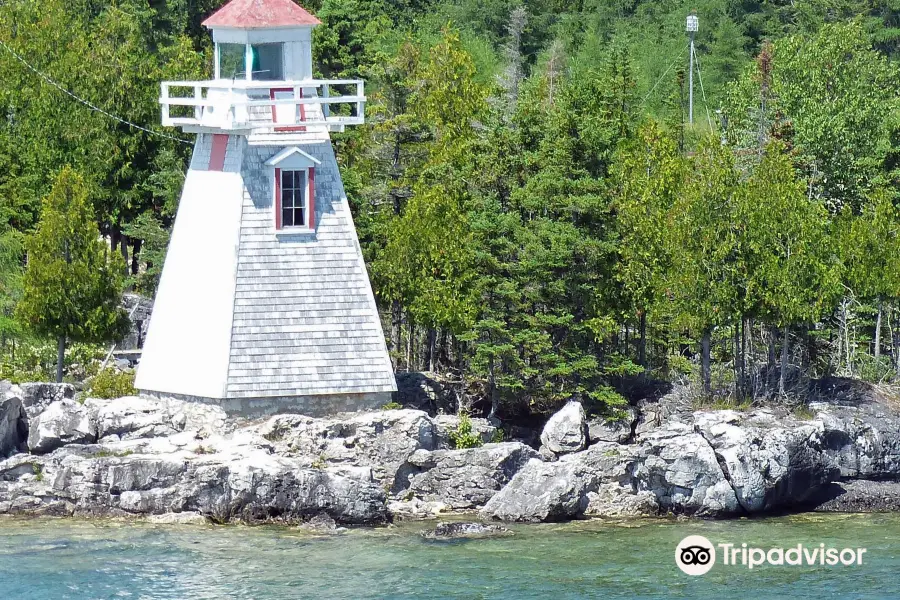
{"points": [[311, 406]]}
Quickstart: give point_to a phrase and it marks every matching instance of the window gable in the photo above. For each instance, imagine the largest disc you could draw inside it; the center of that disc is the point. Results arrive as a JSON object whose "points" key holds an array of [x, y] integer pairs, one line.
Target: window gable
{"points": [[294, 183]]}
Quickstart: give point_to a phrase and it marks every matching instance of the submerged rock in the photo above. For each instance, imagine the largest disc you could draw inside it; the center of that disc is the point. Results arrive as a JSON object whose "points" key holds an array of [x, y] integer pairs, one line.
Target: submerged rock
{"points": [[463, 530]]}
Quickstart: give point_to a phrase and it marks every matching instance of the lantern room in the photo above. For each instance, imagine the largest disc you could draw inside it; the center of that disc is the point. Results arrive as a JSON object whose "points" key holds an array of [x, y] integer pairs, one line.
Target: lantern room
{"points": [[262, 40]]}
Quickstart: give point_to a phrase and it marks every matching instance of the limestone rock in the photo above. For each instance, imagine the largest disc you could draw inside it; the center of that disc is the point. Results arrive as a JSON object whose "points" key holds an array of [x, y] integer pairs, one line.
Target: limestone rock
{"points": [[38, 396], [769, 462], [445, 425], [136, 417], [258, 487], [382, 440], [544, 491], [618, 431], [861, 438], [566, 431], [459, 530], [682, 471], [13, 427], [63, 422], [466, 478]]}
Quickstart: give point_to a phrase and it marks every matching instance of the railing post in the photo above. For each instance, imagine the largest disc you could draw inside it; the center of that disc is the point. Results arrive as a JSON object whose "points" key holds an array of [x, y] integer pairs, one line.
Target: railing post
{"points": [[361, 105], [326, 108], [198, 95], [164, 97]]}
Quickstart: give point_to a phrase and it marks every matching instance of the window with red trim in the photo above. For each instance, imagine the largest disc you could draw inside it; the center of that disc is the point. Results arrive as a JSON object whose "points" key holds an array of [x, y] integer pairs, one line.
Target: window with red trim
{"points": [[294, 198]]}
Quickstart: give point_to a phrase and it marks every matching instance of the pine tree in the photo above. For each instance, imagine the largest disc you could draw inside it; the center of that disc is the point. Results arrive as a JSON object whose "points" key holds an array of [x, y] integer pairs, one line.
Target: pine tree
{"points": [[73, 283]]}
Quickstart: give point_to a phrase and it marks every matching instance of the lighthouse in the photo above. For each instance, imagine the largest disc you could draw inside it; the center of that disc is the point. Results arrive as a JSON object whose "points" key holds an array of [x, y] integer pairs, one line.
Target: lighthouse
{"points": [[264, 304]]}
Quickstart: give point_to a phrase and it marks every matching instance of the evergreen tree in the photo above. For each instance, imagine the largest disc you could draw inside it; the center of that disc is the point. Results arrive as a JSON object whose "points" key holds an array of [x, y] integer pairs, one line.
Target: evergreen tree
{"points": [[73, 283], [795, 273]]}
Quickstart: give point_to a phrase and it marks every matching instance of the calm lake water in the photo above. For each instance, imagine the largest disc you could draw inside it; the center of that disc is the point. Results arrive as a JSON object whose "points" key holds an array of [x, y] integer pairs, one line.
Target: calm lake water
{"points": [[54, 559]]}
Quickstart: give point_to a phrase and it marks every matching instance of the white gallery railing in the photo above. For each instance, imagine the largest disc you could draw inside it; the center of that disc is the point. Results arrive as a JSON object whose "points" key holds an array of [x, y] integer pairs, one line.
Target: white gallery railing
{"points": [[262, 105]]}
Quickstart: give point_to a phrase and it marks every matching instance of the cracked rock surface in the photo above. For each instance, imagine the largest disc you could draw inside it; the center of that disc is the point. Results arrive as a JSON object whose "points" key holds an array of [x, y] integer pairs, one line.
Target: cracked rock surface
{"points": [[176, 461]]}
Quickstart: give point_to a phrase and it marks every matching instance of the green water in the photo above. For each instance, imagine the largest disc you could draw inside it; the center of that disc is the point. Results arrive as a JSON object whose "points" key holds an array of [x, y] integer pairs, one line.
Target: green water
{"points": [[54, 559]]}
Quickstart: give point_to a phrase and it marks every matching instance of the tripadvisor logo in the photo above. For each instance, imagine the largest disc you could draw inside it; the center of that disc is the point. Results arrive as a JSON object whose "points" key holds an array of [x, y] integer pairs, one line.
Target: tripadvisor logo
{"points": [[696, 555]]}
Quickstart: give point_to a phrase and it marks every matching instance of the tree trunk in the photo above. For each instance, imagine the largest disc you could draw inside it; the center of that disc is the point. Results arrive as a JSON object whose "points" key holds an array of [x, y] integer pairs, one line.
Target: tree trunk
{"points": [[410, 343], [845, 326], [772, 336], [642, 342], [396, 332], [135, 256], [785, 343], [738, 361], [878, 331], [705, 343], [123, 249], [492, 389], [60, 357], [430, 340]]}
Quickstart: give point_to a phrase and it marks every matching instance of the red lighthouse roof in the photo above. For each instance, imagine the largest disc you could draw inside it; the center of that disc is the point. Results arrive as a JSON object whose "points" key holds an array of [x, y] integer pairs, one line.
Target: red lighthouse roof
{"points": [[259, 14]]}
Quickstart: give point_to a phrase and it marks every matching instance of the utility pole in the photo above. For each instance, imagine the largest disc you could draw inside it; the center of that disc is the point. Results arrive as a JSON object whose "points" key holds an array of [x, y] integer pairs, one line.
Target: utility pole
{"points": [[693, 23]]}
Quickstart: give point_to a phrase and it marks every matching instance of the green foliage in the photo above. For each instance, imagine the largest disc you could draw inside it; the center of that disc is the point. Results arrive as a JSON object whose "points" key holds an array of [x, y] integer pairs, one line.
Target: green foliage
{"points": [[154, 242], [464, 436], [73, 283], [392, 406], [111, 383]]}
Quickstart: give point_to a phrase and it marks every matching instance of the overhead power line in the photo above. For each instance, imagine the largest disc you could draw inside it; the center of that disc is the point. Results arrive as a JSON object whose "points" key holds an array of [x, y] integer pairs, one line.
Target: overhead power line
{"points": [[86, 103]]}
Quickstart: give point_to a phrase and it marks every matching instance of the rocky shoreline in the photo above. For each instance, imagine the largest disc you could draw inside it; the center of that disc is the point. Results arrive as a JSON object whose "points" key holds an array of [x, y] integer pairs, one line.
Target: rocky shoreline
{"points": [[172, 461]]}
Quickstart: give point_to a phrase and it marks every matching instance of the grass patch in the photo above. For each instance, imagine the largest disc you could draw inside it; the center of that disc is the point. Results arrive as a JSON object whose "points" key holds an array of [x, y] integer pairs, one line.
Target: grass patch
{"points": [[803, 412]]}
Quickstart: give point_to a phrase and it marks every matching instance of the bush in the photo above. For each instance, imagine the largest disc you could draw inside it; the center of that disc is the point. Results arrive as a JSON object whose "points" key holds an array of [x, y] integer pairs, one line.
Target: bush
{"points": [[112, 383], [874, 370], [392, 406], [464, 436]]}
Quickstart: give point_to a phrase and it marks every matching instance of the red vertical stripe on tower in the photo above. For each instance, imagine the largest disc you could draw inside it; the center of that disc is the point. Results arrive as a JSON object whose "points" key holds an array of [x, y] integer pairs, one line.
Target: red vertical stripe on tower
{"points": [[277, 198], [312, 198], [217, 156]]}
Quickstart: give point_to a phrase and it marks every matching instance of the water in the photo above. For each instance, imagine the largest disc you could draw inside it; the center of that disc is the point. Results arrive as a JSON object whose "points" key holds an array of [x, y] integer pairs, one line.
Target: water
{"points": [[57, 559]]}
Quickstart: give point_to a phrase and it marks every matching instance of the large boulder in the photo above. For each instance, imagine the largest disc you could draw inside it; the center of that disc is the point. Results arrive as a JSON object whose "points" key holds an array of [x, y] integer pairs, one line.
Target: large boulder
{"points": [[599, 481], [770, 461], [383, 440], [63, 422], [38, 396], [13, 427], [466, 478], [542, 491], [861, 438], [137, 417], [566, 431], [619, 430], [683, 472]]}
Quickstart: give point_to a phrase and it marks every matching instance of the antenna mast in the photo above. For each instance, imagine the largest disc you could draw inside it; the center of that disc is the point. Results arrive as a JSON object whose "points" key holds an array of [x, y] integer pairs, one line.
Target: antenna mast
{"points": [[693, 23]]}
